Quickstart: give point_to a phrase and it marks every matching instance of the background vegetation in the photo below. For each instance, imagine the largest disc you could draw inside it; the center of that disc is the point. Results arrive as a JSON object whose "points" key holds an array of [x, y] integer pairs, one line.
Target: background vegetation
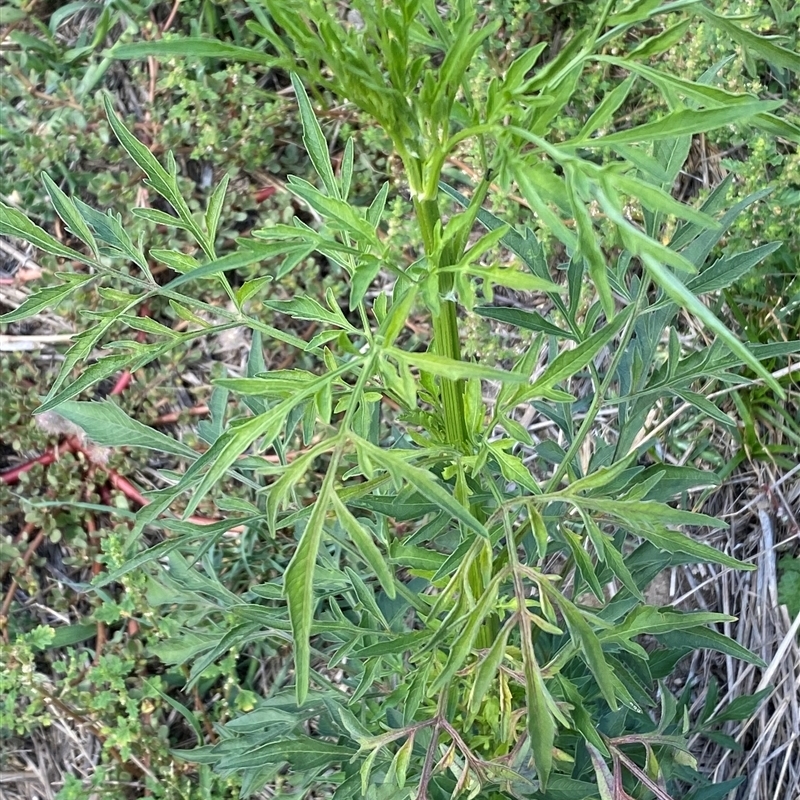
{"points": [[99, 704]]}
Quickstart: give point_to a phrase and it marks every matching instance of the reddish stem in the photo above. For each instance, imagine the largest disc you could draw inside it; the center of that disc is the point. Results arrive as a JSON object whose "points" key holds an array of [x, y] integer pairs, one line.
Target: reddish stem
{"points": [[123, 382]]}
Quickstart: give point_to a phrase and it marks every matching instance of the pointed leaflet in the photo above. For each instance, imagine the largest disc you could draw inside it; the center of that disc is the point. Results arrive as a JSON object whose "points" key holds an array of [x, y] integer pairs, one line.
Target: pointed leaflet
{"points": [[46, 298], [450, 368], [725, 271], [69, 213], [589, 247], [686, 121], [107, 424], [422, 480], [157, 177], [362, 539], [15, 223], [541, 724], [759, 45], [529, 320], [214, 209], [465, 640], [235, 441], [683, 296], [299, 581], [314, 141], [194, 47], [569, 362], [583, 636]]}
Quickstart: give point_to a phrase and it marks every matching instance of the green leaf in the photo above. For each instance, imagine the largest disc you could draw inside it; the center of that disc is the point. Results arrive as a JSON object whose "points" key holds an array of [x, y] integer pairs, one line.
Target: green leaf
{"points": [[764, 48], [529, 320], [706, 639], [589, 247], [314, 141], [681, 295], [726, 271], [302, 752], [15, 223], [604, 113], [101, 369], [365, 543], [307, 308], [456, 370], [158, 178], [334, 210], [422, 480], [465, 640], [66, 635], [46, 298], [674, 481], [214, 209], [69, 213], [106, 424], [160, 218], [109, 230], [485, 673], [541, 724], [299, 582], [566, 364], [686, 121], [590, 647], [193, 47]]}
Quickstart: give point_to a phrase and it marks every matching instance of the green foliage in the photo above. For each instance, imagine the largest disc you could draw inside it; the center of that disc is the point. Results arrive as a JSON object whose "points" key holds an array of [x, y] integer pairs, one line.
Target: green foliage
{"points": [[513, 599]]}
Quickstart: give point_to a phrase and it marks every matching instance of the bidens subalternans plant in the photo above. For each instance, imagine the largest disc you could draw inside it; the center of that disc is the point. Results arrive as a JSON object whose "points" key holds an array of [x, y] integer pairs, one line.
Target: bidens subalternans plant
{"points": [[483, 621]]}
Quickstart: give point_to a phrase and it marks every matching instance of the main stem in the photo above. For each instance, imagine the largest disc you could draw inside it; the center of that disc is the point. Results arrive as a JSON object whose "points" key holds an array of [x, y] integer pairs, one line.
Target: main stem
{"points": [[447, 343], [446, 340]]}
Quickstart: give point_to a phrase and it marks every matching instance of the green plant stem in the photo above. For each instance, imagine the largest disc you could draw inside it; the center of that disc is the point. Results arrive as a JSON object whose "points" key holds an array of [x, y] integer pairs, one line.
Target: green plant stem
{"points": [[445, 327]]}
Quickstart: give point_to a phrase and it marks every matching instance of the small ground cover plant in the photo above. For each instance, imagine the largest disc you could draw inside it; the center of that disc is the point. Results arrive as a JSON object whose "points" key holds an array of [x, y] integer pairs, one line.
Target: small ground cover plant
{"points": [[422, 542]]}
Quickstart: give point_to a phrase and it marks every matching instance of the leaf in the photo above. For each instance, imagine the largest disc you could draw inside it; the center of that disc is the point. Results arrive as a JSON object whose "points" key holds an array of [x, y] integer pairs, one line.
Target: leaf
{"points": [[302, 752], [764, 48], [160, 218], [455, 370], [486, 671], [590, 647], [529, 320], [681, 295], [101, 369], [566, 364], [106, 424], [66, 209], [314, 141], [465, 639], [307, 308], [686, 121], [66, 635], [605, 781], [214, 209], [334, 210], [366, 546], [299, 582], [109, 230], [46, 298], [15, 223], [157, 177], [605, 110], [194, 47], [589, 247], [541, 724], [705, 638], [725, 271], [422, 481]]}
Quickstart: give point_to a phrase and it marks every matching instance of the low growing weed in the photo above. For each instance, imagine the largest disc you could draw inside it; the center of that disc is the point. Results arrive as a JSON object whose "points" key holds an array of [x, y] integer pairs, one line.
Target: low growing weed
{"points": [[457, 621]]}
